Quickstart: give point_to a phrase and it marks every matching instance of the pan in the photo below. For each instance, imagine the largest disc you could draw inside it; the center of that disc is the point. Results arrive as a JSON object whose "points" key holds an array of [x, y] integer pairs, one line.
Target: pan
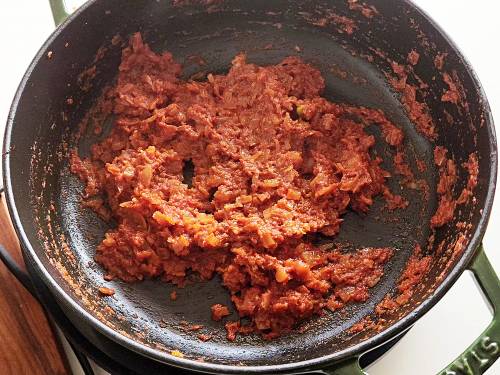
{"points": [[367, 53]]}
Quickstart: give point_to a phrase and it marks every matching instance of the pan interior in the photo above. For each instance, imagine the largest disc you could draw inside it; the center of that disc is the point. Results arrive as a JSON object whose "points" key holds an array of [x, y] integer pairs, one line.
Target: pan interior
{"points": [[64, 236], [148, 302]]}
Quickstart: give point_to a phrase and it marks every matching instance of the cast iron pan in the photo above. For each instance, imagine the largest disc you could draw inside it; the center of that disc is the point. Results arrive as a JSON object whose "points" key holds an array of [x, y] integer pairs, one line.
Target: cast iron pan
{"points": [[82, 57]]}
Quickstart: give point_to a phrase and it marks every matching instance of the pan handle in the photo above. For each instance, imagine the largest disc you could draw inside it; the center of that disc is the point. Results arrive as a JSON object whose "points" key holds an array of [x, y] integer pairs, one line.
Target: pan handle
{"points": [[485, 350], [348, 367], [60, 10]]}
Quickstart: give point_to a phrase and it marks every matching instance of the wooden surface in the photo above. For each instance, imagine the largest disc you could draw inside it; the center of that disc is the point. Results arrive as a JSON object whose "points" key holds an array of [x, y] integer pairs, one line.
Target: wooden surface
{"points": [[27, 343]]}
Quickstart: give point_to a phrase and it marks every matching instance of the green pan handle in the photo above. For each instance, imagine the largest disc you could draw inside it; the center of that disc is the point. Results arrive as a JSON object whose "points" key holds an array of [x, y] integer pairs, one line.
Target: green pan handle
{"points": [[348, 367], [59, 11], [483, 352]]}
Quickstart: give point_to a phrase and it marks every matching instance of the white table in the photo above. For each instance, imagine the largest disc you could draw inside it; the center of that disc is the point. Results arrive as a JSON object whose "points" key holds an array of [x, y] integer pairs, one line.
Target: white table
{"points": [[461, 315]]}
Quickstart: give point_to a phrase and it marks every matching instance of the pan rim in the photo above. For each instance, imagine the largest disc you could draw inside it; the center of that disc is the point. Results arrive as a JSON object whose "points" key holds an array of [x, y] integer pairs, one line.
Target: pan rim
{"points": [[164, 357]]}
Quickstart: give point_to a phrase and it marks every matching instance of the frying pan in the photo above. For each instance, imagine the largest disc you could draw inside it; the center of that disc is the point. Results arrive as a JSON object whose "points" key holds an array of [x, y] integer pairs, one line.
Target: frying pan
{"points": [[355, 51]]}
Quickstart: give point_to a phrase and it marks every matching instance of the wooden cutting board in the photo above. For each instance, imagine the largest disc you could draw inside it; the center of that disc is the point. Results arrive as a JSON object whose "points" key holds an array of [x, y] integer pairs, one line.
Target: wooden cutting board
{"points": [[28, 345]]}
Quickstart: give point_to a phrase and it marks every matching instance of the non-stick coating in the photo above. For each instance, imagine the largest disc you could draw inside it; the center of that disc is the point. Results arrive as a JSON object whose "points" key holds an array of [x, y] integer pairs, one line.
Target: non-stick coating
{"points": [[61, 236]]}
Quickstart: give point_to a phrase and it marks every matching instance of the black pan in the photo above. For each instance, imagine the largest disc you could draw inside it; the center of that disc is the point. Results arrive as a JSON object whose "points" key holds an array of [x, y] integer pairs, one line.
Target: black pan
{"points": [[59, 237]]}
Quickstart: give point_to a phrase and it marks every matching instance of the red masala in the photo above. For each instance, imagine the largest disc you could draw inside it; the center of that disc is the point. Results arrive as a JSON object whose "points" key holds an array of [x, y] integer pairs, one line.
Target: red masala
{"points": [[439, 60], [413, 57], [203, 337], [173, 295], [446, 184], [271, 161], [418, 112], [368, 11], [472, 167], [416, 268], [452, 94], [342, 23], [219, 311], [106, 291]]}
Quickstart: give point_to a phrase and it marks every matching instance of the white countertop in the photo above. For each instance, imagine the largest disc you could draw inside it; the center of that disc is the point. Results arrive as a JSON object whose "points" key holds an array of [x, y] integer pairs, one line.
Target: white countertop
{"points": [[461, 315]]}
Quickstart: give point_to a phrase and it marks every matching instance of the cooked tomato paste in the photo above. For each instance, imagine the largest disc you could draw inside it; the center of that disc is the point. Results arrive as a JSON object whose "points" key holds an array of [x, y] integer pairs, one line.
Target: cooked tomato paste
{"points": [[228, 176]]}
